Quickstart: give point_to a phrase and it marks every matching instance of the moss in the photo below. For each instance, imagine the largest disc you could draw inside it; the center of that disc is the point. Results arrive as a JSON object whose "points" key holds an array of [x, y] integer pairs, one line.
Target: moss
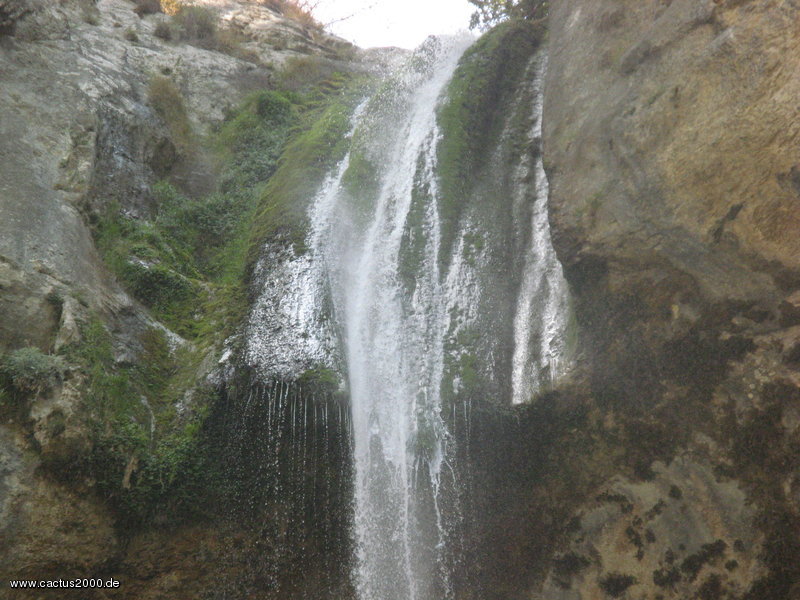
{"points": [[308, 157], [251, 141], [412, 247], [319, 379], [471, 117], [361, 180], [304, 72], [188, 263], [145, 458]]}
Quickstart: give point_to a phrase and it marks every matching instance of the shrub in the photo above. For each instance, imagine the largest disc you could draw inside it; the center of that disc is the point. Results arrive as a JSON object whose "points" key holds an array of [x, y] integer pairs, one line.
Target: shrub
{"points": [[197, 25], [30, 370], [303, 72], [301, 11], [131, 35], [167, 100], [147, 7], [490, 12], [171, 7], [163, 31]]}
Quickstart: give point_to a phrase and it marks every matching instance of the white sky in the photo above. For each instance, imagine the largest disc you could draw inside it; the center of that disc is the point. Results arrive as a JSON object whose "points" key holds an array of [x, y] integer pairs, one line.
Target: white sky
{"points": [[404, 23]]}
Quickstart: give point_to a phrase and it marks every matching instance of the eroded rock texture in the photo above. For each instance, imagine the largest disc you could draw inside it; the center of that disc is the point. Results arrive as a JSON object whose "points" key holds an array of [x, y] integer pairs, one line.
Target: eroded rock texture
{"points": [[80, 138], [671, 143]]}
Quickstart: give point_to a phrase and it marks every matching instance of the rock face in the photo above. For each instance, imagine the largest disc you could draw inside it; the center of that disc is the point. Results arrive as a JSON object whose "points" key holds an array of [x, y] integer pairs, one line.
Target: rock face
{"points": [[690, 533], [678, 128], [79, 137], [670, 141]]}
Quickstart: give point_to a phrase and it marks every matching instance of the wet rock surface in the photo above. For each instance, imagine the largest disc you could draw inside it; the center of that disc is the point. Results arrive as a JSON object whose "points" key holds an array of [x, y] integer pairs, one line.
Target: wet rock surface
{"points": [[79, 137], [670, 151]]}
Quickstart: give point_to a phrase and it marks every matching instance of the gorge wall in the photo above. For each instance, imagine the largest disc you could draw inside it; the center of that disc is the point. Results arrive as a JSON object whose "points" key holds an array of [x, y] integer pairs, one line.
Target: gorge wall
{"points": [[194, 440], [671, 142]]}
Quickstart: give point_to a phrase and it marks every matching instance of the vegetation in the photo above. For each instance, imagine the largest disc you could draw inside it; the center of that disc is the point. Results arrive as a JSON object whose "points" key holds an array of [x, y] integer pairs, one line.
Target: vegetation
{"points": [[143, 456], [491, 12], [318, 143], [31, 371], [167, 100], [187, 262], [301, 11], [471, 120], [147, 7]]}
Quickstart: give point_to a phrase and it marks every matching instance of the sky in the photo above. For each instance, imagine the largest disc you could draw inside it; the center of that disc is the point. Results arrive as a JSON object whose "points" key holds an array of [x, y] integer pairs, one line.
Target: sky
{"points": [[403, 23]]}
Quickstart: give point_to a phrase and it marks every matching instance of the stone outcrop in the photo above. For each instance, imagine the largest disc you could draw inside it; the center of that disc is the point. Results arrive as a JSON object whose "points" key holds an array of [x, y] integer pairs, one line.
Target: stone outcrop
{"points": [[80, 136], [670, 141]]}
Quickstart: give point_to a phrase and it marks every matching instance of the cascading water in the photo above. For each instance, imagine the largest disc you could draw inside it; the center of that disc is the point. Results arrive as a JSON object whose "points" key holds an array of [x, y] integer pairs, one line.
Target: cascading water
{"points": [[542, 315], [427, 307], [394, 348]]}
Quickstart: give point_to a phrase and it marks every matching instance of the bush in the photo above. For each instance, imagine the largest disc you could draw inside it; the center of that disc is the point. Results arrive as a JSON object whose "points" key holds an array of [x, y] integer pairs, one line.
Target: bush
{"points": [[300, 11], [171, 7], [491, 12], [197, 25], [167, 100], [31, 370], [304, 72], [131, 35], [163, 31], [147, 7]]}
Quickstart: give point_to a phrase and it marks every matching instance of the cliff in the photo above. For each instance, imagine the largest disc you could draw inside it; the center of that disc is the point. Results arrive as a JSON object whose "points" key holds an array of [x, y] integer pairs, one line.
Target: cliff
{"points": [[171, 404], [670, 139], [112, 117]]}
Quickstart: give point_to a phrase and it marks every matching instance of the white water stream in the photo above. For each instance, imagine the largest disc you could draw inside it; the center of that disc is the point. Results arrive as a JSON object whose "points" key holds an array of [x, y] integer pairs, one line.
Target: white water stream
{"points": [[399, 331], [541, 319]]}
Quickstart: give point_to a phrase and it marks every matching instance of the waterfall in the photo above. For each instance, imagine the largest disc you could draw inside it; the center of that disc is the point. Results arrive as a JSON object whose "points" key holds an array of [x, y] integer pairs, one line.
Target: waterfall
{"points": [[394, 337], [425, 308], [540, 348]]}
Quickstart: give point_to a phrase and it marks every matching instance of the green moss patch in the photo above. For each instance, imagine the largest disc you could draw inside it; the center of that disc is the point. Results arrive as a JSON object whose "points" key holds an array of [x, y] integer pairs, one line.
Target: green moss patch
{"points": [[318, 144], [471, 118]]}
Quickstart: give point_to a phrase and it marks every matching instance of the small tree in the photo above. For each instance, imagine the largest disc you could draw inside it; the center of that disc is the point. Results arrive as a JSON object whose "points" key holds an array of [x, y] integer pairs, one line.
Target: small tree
{"points": [[490, 12]]}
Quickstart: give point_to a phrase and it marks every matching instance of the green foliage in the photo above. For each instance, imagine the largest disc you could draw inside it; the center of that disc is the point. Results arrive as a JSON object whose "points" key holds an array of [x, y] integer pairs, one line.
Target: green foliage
{"points": [[158, 270], [188, 263], [318, 145], [491, 12], [167, 100], [32, 371], [144, 458], [253, 139], [471, 120], [304, 72], [140, 477], [319, 379]]}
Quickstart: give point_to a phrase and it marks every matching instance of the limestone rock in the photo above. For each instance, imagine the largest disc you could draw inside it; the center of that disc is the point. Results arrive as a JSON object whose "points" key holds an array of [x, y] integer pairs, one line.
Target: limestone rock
{"points": [[47, 529], [683, 533], [680, 148]]}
